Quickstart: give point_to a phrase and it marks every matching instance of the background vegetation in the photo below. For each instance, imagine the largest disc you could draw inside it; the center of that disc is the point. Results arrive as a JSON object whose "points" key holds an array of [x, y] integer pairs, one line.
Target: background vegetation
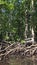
{"points": [[14, 14]]}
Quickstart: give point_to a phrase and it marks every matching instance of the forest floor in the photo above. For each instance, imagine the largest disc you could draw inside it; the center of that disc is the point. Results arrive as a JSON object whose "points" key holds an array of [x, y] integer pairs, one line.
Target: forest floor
{"points": [[18, 49]]}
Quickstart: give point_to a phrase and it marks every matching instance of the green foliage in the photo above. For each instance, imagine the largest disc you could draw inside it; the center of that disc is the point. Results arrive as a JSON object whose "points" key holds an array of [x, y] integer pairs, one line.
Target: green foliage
{"points": [[12, 18], [22, 42]]}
